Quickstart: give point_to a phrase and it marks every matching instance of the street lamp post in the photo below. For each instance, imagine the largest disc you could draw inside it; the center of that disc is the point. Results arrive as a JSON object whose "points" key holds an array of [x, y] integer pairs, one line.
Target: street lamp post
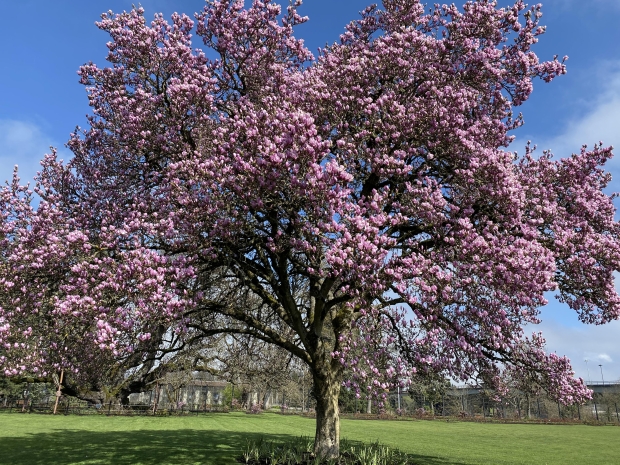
{"points": [[603, 390], [588, 370], [590, 382]]}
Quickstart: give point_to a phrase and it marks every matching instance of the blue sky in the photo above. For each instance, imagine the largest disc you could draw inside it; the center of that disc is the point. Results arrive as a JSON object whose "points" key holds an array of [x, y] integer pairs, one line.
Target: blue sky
{"points": [[41, 102]]}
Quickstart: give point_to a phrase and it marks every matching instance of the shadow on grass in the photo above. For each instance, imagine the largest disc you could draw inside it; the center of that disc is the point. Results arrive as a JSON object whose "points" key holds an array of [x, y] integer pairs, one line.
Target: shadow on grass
{"points": [[144, 447]]}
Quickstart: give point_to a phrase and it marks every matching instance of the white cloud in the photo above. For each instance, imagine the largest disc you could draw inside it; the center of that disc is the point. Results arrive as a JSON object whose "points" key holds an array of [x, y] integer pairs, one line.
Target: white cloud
{"points": [[596, 120], [597, 344], [23, 144], [600, 120], [601, 358]]}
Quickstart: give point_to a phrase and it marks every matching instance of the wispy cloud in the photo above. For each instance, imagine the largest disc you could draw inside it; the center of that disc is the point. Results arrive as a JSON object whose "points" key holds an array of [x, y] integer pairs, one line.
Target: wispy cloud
{"points": [[597, 344], [599, 357], [598, 121], [593, 120], [24, 144]]}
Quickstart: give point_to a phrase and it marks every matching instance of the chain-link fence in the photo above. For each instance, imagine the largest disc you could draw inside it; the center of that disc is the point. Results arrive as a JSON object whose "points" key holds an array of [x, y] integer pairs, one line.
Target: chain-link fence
{"points": [[478, 404]]}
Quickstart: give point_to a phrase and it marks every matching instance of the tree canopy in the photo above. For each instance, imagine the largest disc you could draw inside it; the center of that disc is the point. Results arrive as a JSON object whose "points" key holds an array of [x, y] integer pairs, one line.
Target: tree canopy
{"points": [[357, 209]]}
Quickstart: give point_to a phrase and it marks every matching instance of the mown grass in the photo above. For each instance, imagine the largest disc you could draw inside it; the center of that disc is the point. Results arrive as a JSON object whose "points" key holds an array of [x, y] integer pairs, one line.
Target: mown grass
{"points": [[217, 439]]}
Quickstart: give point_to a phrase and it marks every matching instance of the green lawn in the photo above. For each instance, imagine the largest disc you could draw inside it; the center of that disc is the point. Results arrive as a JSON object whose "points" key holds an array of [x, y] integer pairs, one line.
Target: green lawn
{"points": [[218, 438]]}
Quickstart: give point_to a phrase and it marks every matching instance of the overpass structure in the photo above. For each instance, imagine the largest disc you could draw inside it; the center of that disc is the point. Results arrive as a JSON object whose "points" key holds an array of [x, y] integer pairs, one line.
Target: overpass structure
{"points": [[599, 387]]}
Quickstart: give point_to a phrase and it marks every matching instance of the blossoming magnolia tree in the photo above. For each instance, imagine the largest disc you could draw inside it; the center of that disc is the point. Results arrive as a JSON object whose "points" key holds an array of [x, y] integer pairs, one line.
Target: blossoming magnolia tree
{"points": [[359, 209]]}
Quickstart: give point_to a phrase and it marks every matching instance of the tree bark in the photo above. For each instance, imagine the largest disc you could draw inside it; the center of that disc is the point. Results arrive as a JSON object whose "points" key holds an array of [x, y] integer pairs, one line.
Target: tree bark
{"points": [[529, 407], [327, 438]]}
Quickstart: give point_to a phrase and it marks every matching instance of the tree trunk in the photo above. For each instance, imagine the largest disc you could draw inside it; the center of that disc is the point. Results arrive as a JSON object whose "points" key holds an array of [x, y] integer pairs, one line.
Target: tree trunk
{"points": [[529, 408], [327, 438]]}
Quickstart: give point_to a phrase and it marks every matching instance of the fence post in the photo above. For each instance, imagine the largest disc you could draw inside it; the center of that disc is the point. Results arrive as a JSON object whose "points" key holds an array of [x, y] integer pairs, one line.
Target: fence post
{"points": [[578, 412], [617, 417]]}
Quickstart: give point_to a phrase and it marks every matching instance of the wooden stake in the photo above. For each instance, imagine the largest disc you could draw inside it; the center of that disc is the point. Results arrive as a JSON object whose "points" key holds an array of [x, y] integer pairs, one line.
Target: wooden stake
{"points": [[62, 372]]}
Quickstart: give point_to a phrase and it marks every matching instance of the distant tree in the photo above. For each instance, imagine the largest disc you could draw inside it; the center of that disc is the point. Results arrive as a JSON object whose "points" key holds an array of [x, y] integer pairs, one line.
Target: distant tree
{"points": [[290, 199], [263, 368], [10, 389], [430, 389]]}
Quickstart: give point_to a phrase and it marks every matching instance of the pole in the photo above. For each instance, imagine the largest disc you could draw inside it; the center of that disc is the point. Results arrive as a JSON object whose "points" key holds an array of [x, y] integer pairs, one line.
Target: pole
{"points": [[617, 416], [62, 373], [603, 389], [590, 382], [588, 370], [398, 387]]}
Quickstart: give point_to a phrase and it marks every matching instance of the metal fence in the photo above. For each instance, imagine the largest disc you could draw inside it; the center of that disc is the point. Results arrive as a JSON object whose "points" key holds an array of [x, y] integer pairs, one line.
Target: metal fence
{"points": [[478, 405], [465, 403], [71, 406]]}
